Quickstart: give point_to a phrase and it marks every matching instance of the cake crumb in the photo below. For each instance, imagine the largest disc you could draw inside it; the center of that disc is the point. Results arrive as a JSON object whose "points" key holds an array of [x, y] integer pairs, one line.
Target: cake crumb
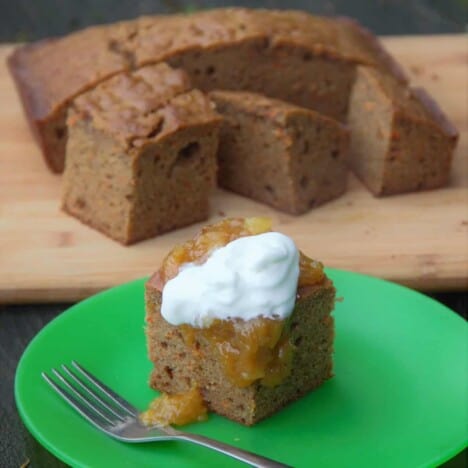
{"points": [[178, 409], [416, 69]]}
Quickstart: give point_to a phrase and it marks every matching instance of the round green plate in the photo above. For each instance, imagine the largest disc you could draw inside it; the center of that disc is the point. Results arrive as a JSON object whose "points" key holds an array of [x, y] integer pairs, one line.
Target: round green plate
{"points": [[398, 397]]}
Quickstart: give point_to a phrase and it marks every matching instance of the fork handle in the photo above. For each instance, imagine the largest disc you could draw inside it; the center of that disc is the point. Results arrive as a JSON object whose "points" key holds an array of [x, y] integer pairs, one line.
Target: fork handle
{"points": [[234, 452]]}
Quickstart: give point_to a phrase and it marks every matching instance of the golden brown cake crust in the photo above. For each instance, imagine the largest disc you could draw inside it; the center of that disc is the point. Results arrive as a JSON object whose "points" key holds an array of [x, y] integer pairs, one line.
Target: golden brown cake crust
{"points": [[262, 106], [358, 41], [144, 104], [84, 58]]}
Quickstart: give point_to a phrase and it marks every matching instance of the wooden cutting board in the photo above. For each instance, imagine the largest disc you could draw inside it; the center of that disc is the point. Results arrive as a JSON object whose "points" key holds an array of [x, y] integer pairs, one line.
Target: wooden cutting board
{"points": [[420, 240]]}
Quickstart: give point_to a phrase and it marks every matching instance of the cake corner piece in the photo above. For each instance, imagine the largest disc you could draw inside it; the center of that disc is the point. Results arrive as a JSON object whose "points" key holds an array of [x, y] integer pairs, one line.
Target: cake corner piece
{"points": [[141, 154]]}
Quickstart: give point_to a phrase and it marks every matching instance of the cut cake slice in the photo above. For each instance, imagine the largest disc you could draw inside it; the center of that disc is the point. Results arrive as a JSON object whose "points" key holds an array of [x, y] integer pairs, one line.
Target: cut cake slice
{"points": [[280, 154], [141, 155], [400, 139]]}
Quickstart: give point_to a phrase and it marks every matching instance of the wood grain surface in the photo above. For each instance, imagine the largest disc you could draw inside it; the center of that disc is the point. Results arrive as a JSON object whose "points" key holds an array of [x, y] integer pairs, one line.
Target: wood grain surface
{"points": [[420, 239]]}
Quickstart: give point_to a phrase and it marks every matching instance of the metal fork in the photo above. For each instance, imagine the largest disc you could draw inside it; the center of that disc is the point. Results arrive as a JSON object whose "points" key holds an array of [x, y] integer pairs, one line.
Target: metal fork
{"points": [[115, 416]]}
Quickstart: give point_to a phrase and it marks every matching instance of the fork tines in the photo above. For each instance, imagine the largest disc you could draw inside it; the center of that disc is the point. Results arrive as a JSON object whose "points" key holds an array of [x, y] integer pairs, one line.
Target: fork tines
{"points": [[91, 398]]}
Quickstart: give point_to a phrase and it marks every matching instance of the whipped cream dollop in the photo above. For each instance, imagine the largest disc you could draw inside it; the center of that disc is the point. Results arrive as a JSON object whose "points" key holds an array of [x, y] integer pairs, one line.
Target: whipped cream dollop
{"points": [[253, 276]]}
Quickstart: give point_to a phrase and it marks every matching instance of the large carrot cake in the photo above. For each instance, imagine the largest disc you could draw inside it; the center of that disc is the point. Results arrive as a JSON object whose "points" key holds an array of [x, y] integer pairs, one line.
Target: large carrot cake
{"points": [[289, 55]]}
